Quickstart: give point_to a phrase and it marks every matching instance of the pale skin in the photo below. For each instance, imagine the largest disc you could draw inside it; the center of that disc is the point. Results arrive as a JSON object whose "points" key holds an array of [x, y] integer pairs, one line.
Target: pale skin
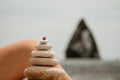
{"points": [[14, 59]]}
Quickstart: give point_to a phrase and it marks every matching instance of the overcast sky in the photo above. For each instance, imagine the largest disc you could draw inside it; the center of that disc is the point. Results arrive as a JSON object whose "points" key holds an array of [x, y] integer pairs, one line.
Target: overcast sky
{"points": [[57, 19]]}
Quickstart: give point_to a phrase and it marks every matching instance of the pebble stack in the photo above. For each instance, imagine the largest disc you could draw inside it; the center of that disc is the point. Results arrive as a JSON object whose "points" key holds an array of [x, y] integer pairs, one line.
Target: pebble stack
{"points": [[43, 62]]}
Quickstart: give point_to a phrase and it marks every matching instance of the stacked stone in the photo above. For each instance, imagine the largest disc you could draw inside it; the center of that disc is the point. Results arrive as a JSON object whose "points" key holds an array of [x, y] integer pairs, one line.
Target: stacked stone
{"points": [[43, 62]]}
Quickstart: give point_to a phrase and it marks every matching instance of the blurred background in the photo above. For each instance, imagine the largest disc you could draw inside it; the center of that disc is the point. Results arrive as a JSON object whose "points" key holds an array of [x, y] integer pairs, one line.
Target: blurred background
{"points": [[58, 19]]}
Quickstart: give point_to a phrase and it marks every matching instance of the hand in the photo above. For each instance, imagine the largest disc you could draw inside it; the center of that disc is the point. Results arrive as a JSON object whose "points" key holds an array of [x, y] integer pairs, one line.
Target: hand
{"points": [[14, 59]]}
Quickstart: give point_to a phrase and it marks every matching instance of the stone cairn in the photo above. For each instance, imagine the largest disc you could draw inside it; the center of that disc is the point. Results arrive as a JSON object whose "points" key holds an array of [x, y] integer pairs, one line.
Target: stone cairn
{"points": [[44, 63]]}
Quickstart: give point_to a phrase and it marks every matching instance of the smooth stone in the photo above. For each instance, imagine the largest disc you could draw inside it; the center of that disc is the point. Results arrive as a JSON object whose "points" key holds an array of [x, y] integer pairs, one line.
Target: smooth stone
{"points": [[43, 41], [42, 54], [44, 73], [43, 46], [44, 61]]}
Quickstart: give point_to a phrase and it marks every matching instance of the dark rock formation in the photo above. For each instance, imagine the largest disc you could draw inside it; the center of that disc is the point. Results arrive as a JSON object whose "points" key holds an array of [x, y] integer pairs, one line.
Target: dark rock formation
{"points": [[82, 44]]}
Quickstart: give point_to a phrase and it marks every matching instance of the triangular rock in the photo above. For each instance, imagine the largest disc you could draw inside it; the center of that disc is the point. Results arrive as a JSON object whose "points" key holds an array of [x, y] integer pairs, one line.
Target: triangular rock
{"points": [[82, 43]]}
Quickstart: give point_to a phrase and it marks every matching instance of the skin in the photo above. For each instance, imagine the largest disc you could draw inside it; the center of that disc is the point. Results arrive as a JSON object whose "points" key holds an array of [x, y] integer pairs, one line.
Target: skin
{"points": [[14, 59]]}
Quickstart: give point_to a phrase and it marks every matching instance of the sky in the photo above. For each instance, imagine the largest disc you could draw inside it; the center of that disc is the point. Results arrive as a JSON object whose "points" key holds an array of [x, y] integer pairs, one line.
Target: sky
{"points": [[58, 19]]}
